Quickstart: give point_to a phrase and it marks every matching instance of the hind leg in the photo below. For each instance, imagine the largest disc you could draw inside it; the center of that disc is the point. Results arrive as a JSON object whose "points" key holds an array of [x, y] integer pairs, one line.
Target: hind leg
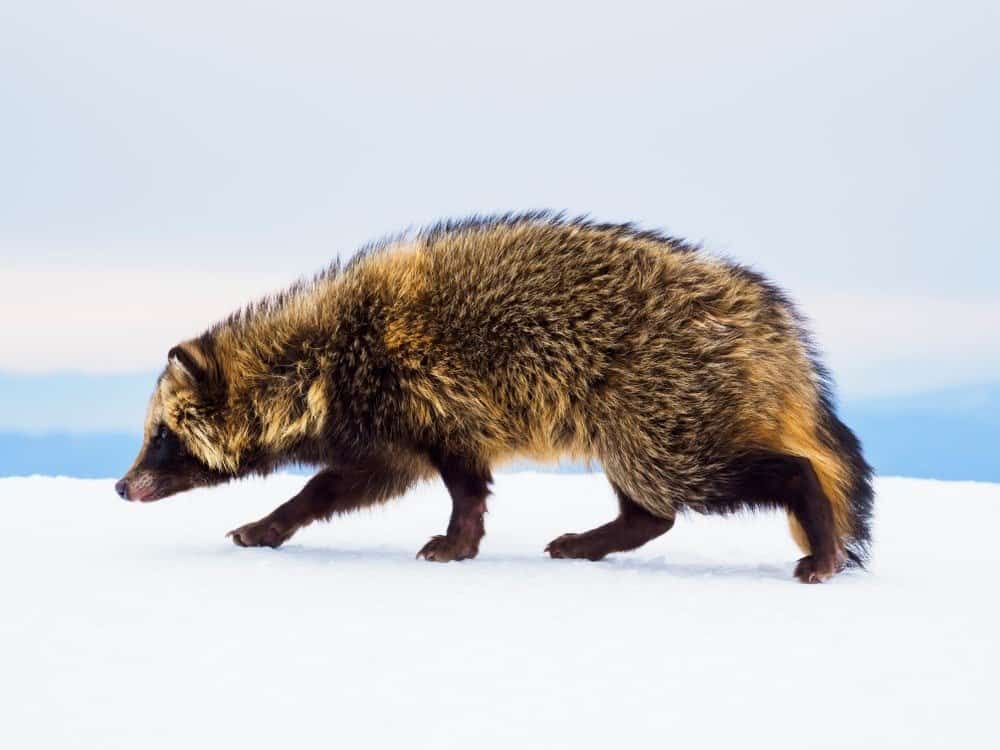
{"points": [[633, 528], [790, 481]]}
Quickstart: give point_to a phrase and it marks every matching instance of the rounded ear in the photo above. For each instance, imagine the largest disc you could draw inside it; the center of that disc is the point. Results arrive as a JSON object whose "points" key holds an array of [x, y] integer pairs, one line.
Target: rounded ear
{"points": [[187, 363]]}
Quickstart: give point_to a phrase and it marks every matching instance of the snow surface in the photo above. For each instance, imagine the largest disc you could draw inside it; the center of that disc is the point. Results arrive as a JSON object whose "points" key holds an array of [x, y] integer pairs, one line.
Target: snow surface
{"points": [[125, 625]]}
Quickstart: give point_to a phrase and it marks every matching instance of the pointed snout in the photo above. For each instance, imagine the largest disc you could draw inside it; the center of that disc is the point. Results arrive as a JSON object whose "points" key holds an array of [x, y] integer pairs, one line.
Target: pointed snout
{"points": [[121, 487]]}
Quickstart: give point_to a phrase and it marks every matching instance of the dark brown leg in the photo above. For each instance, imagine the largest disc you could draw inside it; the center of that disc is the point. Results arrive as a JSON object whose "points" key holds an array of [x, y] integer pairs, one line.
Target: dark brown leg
{"points": [[331, 492], [770, 479], [468, 486], [812, 510], [633, 528]]}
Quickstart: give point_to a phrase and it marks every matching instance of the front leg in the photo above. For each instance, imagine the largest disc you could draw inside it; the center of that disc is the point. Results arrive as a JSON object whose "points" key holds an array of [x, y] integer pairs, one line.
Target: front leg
{"points": [[331, 492], [468, 486]]}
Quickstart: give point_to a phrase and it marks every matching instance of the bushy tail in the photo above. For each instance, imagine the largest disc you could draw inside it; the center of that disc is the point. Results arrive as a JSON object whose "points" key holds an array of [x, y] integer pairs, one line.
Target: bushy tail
{"points": [[855, 493]]}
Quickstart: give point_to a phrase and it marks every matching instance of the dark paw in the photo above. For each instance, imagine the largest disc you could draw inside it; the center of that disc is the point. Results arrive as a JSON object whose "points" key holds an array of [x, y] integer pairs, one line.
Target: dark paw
{"points": [[264, 533], [443, 548], [811, 569], [573, 546]]}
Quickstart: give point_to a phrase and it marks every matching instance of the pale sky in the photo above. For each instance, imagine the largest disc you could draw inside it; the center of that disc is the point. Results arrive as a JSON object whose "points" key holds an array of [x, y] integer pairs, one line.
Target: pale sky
{"points": [[162, 163]]}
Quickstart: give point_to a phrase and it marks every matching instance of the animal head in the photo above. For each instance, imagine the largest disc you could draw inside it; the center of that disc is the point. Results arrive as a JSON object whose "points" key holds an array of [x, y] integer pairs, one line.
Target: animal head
{"points": [[187, 441]]}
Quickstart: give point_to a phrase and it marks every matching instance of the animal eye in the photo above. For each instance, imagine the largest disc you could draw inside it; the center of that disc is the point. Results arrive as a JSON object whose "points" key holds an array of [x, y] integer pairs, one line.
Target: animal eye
{"points": [[161, 434]]}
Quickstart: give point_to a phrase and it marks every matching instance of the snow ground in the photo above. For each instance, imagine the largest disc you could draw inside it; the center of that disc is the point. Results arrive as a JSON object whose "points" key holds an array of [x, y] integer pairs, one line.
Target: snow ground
{"points": [[143, 627]]}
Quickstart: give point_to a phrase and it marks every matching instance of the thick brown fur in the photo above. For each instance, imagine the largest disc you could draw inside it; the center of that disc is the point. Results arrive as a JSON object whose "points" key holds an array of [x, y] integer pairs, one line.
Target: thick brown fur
{"points": [[689, 378]]}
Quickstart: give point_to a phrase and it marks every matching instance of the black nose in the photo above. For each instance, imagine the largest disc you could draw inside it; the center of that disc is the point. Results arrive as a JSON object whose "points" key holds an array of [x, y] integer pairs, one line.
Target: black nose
{"points": [[121, 487]]}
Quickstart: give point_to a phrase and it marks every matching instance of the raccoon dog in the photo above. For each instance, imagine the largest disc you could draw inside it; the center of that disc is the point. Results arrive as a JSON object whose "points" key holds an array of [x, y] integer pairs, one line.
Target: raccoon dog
{"points": [[690, 379]]}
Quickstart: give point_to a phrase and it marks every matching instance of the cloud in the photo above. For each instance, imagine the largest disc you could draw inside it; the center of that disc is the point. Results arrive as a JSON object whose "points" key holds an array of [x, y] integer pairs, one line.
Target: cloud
{"points": [[892, 343], [112, 321]]}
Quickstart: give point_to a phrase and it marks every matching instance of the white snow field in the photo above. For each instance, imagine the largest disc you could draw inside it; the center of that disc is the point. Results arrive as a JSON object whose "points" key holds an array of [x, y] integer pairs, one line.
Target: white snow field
{"points": [[142, 626]]}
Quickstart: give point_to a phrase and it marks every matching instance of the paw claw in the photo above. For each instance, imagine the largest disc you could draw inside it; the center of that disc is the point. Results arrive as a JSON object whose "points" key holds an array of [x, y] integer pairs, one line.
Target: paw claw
{"points": [[263, 533], [562, 546], [555, 547], [442, 548], [812, 570], [577, 546]]}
